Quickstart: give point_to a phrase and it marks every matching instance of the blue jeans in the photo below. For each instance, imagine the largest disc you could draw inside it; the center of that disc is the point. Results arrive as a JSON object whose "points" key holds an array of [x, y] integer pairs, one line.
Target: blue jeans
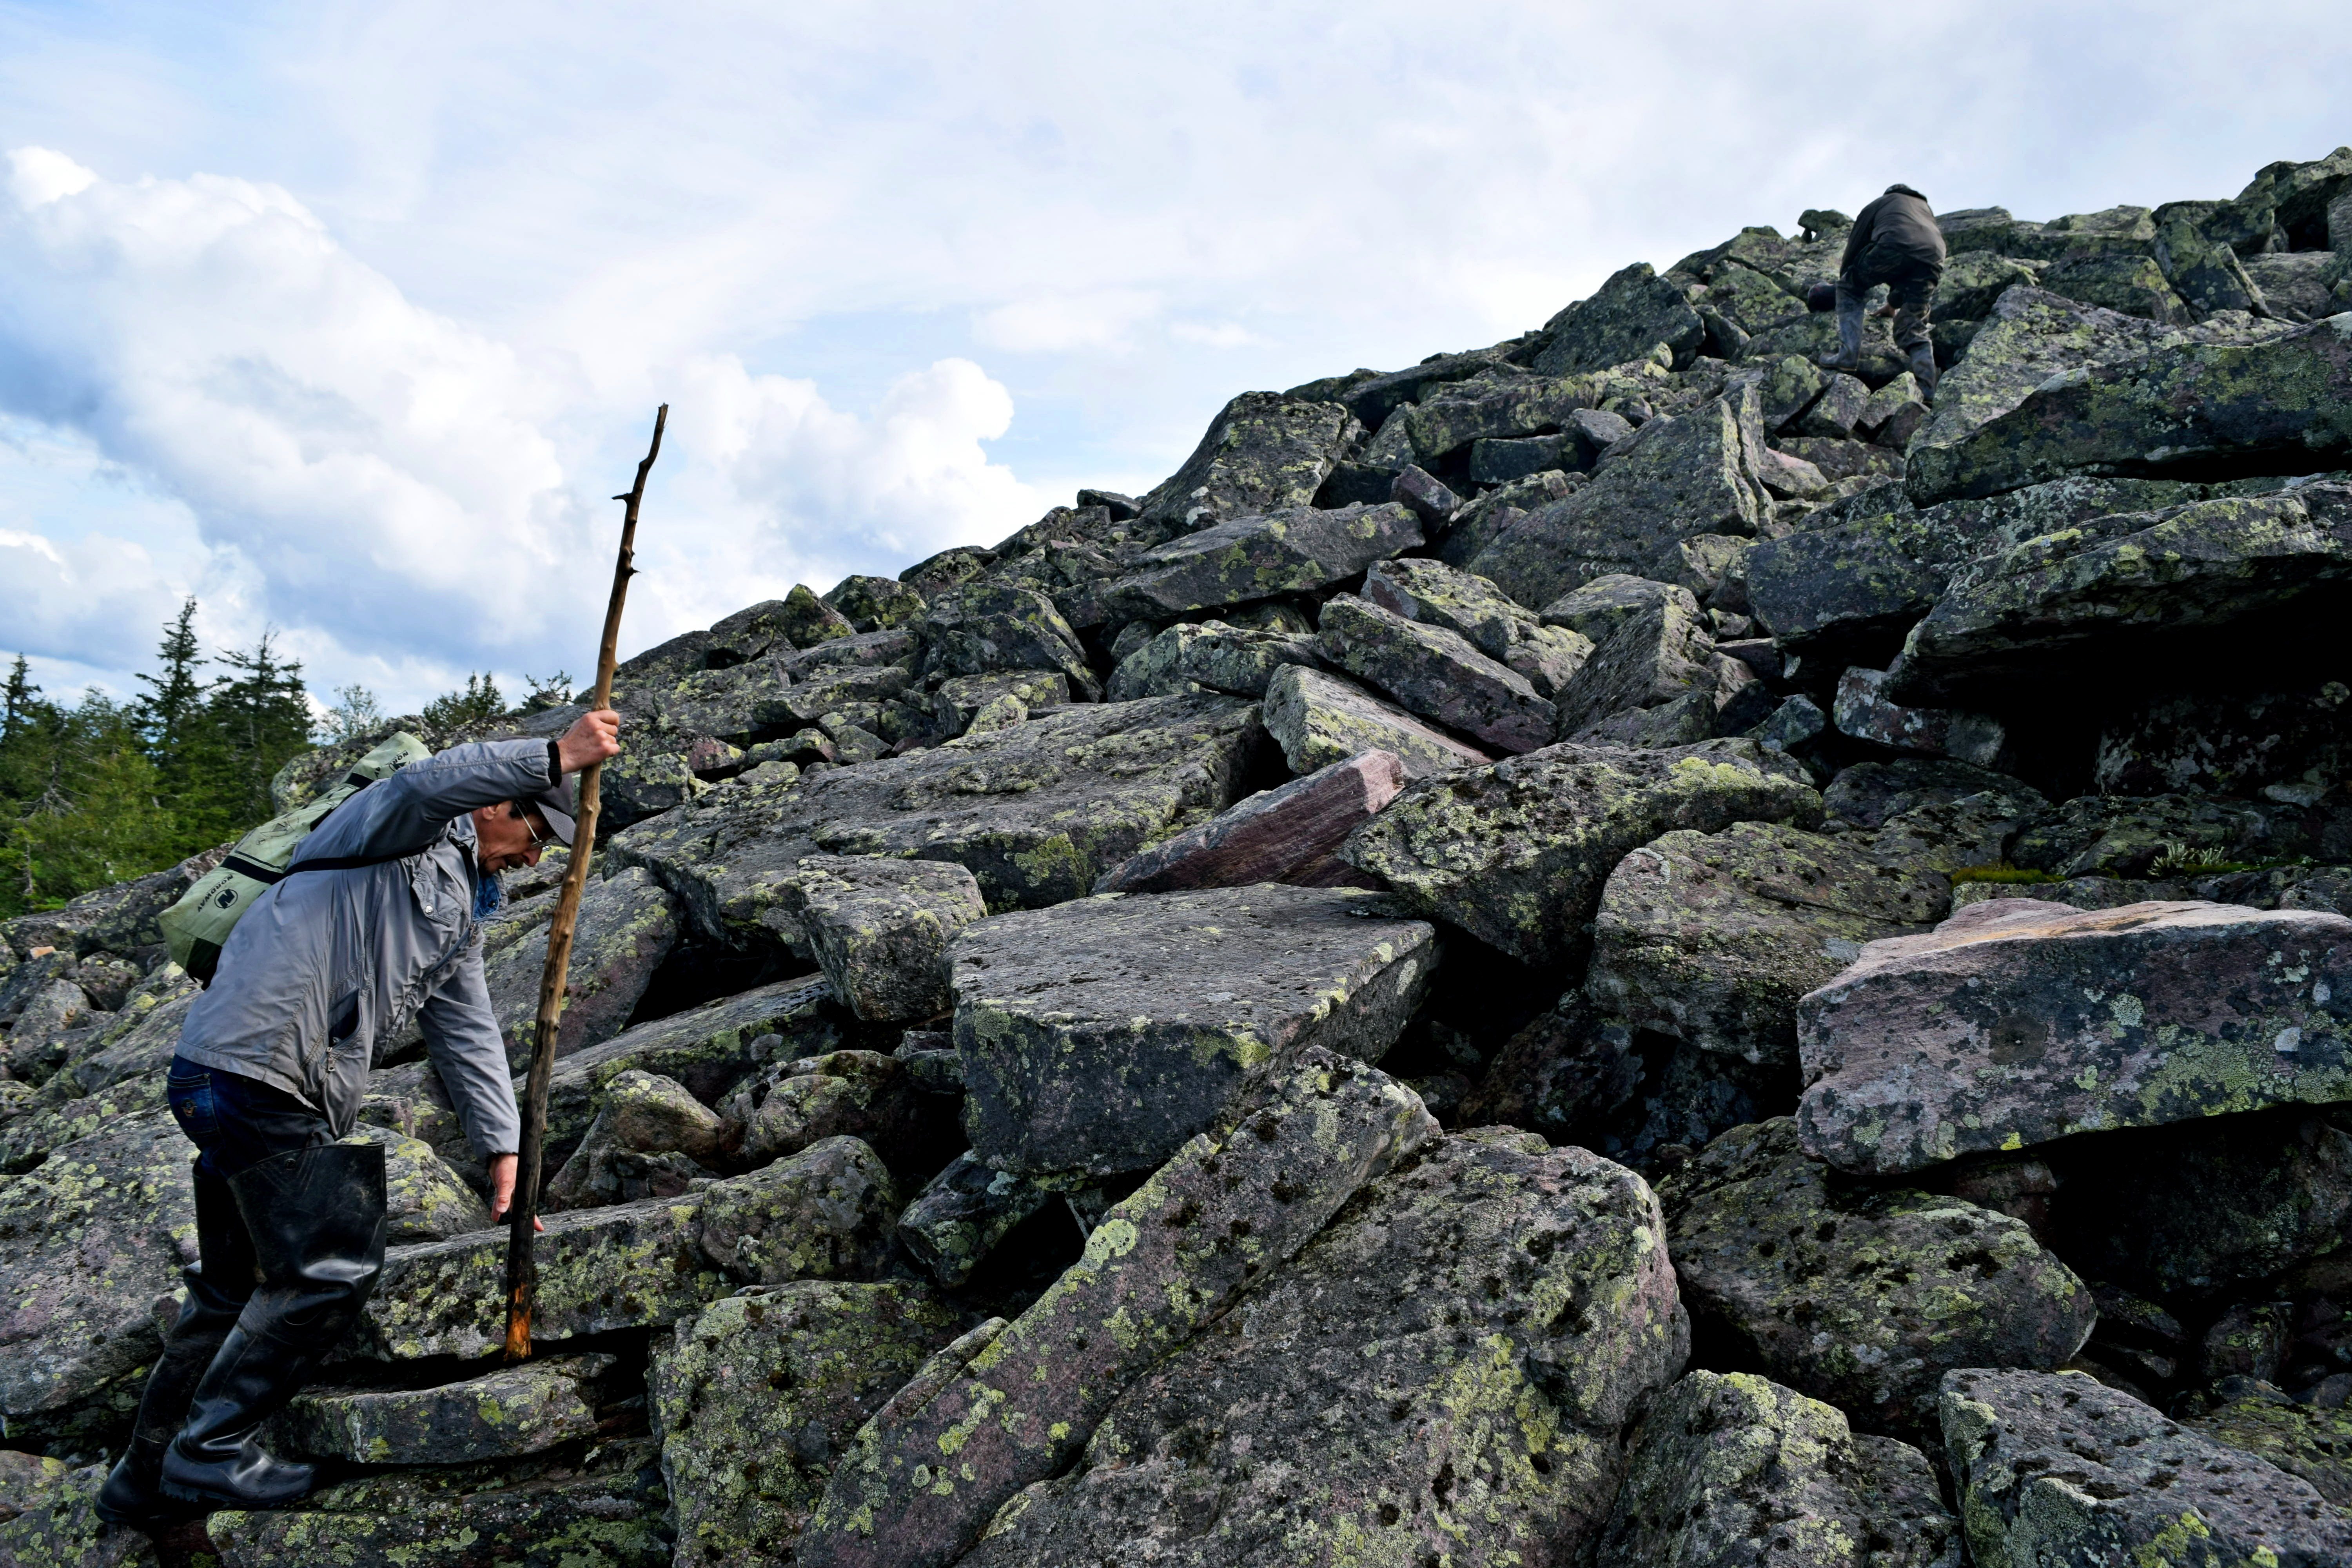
{"points": [[238, 1122]]}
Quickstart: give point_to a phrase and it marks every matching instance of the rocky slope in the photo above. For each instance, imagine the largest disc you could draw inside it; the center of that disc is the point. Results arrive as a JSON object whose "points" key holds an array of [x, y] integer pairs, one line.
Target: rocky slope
{"points": [[1605, 950]]}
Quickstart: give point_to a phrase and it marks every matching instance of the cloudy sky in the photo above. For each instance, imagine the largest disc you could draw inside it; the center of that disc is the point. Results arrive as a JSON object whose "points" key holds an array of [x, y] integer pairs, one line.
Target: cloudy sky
{"points": [[346, 319]]}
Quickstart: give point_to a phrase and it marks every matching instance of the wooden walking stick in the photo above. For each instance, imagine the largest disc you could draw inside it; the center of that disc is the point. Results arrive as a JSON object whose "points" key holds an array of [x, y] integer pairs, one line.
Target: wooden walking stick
{"points": [[522, 1267]]}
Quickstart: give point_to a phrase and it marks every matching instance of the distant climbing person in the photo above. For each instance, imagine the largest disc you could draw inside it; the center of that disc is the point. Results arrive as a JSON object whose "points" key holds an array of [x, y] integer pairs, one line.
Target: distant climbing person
{"points": [[1896, 241]]}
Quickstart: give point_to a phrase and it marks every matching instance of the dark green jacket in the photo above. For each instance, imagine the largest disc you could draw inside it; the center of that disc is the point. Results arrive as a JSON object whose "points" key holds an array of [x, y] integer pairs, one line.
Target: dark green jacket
{"points": [[1898, 227]]}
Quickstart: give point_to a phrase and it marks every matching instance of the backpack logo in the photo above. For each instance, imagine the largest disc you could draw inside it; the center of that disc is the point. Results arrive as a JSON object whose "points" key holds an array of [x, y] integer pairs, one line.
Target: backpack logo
{"points": [[228, 897]]}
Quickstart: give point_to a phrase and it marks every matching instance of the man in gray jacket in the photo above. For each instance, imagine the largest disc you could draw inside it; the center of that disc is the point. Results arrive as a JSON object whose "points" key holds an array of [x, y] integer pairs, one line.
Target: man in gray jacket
{"points": [[377, 921], [1896, 241]]}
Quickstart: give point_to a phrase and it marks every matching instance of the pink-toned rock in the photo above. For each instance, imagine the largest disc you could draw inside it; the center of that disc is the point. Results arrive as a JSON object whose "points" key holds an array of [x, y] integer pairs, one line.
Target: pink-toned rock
{"points": [[928, 1473], [1268, 835], [2018, 1021]]}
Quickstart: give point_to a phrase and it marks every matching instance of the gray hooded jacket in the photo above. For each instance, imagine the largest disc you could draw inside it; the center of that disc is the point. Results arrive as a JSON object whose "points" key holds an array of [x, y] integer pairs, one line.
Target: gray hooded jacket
{"points": [[326, 963]]}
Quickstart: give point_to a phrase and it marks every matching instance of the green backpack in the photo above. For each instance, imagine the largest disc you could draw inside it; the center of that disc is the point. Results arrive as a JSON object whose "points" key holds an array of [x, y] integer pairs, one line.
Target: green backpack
{"points": [[198, 925]]}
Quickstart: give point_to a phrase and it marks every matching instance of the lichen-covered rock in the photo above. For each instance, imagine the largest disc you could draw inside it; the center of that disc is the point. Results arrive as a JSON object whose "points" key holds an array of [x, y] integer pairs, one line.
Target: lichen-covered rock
{"points": [[995, 627], [625, 1265], [753, 1397], [628, 925], [1235, 659], [822, 1214], [1445, 1373], [1436, 673], [2053, 1468], [2209, 588], [1036, 812], [2290, 745], [957, 1220], [1626, 317], [1262, 453], [1517, 853], [881, 927], [1271, 835], [707, 1049], [1319, 720], [1495, 624], [860, 1094], [2288, 393], [1165, 1264], [2205, 1205], [1712, 938], [2308, 1443], [504, 1413], [651, 1138], [960, 697], [1085, 1049], [2031, 336], [1496, 403], [1864, 1297], [1677, 475], [1862, 710], [2017, 1022], [89, 1240], [1739, 1472], [424, 1200], [1297, 550], [603, 1508], [1560, 1075], [1658, 653], [50, 1521], [876, 604]]}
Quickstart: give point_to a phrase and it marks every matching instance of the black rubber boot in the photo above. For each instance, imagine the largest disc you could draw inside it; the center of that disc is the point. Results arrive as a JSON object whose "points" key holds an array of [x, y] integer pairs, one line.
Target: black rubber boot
{"points": [[1923, 371], [219, 1283], [317, 1219], [1849, 350]]}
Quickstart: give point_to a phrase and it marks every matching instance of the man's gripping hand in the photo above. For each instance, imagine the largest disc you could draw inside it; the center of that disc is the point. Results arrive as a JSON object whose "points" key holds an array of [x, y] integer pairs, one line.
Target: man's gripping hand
{"points": [[592, 738], [502, 1186]]}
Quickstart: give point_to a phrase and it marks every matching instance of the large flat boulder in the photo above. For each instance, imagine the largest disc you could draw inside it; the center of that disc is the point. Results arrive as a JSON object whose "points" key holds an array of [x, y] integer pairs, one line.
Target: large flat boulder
{"points": [[2017, 1022], [1676, 476], [1652, 655], [2286, 396], [1099, 1036], [1495, 624], [2218, 586], [1861, 1296], [1517, 853], [1434, 672], [627, 924], [513, 1411], [1037, 812], [2054, 1467], [753, 1398], [1712, 938], [601, 1508], [91, 1240], [1165, 1264], [1736, 1470], [1298, 551], [1320, 720], [1265, 451], [1414, 1385]]}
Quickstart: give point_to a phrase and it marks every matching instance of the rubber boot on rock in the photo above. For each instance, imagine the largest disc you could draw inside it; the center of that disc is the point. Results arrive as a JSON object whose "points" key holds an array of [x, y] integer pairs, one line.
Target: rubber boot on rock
{"points": [[317, 1219], [219, 1282], [1923, 371], [1848, 357]]}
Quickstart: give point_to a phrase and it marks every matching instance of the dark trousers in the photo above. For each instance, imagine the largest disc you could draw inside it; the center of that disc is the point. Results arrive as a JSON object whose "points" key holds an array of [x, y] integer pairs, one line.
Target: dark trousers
{"points": [[238, 1121], [1910, 288]]}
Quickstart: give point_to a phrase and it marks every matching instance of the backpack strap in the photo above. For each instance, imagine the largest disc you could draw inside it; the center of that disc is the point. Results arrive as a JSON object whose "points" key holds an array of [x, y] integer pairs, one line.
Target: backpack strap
{"points": [[270, 874]]}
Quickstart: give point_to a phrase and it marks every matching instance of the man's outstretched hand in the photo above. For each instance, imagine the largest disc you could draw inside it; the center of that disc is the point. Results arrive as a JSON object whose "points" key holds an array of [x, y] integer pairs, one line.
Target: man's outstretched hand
{"points": [[592, 738], [502, 1184]]}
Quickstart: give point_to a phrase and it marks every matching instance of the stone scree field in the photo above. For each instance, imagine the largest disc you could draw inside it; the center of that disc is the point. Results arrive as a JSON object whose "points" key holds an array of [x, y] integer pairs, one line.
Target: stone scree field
{"points": [[1609, 950]]}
